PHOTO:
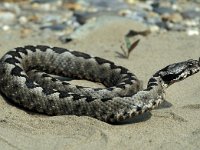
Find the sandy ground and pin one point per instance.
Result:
(176, 125)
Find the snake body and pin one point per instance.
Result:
(25, 78)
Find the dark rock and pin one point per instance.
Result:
(58, 27)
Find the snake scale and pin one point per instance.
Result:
(26, 79)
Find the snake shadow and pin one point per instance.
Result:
(143, 117)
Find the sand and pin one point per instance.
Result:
(175, 125)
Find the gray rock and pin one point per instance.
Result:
(163, 10)
(7, 17)
(153, 20)
(175, 27)
(191, 14)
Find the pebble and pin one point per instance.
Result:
(175, 27)
(191, 14)
(7, 17)
(23, 20)
(192, 32)
(163, 10)
(191, 23)
(6, 28)
(175, 17)
(154, 28)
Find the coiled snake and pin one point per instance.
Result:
(25, 79)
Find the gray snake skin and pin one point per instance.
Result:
(25, 78)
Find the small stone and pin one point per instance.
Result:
(154, 28)
(193, 32)
(108, 4)
(175, 27)
(81, 18)
(144, 6)
(125, 12)
(7, 17)
(137, 16)
(191, 14)
(153, 18)
(11, 7)
(131, 1)
(163, 10)
(176, 7)
(73, 6)
(175, 17)
(6, 28)
(191, 23)
(23, 20)
(25, 32)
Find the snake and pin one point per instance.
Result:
(31, 77)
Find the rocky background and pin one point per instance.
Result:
(143, 36)
(60, 18)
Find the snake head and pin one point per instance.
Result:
(178, 71)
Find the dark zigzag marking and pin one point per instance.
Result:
(152, 84)
(54, 79)
(64, 94)
(59, 50)
(129, 80)
(80, 54)
(30, 47)
(65, 83)
(48, 91)
(16, 71)
(30, 84)
(43, 48)
(130, 75)
(152, 80)
(105, 99)
(139, 108)
(44, 75)
(14, 54)
(21, 50)
(123, 70)
(12, 60)
(76, 97)
(101, 61)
